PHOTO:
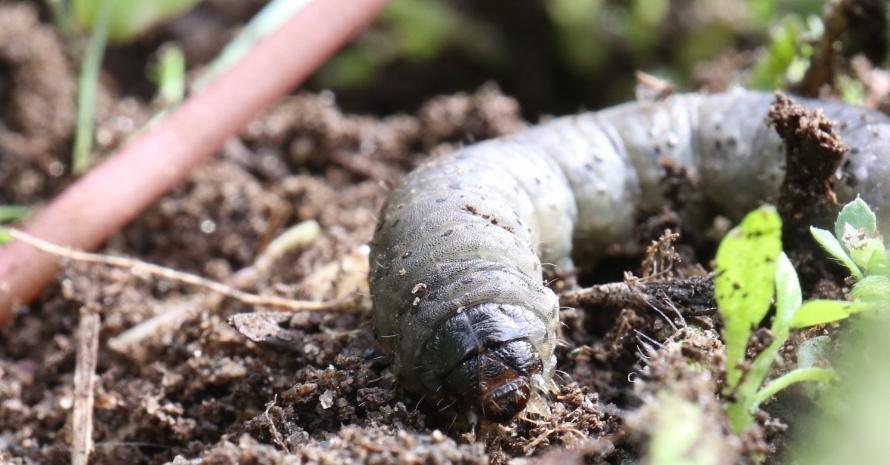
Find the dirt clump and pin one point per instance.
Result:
(36, 102)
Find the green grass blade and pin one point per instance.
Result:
(86, 89)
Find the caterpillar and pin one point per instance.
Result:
(459, 300)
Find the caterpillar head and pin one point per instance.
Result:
(496, 383)
(490, 363)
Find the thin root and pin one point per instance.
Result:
(138, 267)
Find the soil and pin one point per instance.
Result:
(195, 390)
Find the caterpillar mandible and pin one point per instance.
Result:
(456, 260)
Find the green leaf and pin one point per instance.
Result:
(867, 252)
(788, 301)
(130, 18)
(857, 229)
(169, 74)
(816, 312)
(789, 297)
(745, 280)
(858, 215)
(835, 249)
(784, 49)
(823, 375)
(5, 237)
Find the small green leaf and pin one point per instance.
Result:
(835, 249)
(784, 49)
(858, 215)
(823, 375)
(129, 19)
(866, 251)
(745, 280)
(816, 312)
(169, 74)
(789, 297)
(5, 237)
(788, 301)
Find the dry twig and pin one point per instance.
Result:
(141, 268)
(84, 385)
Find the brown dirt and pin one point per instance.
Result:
(36, 103)
(197, 388)
(813, 154)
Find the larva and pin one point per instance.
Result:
(456, 260)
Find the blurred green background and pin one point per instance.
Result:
(559, 56)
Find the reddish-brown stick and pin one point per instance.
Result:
(113, 193)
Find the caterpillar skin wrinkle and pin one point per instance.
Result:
(456, 261)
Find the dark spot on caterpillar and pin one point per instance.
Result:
(447, 233)
(490, 218)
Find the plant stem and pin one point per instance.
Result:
(87, 82)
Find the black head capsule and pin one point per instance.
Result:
(483, 360)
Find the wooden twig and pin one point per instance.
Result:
(84, 386)
(141, 268)
(613, 295)
(689, 294)
(155, 161)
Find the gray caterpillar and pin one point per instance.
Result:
(456, 260)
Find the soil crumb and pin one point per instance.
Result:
(813, 153)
